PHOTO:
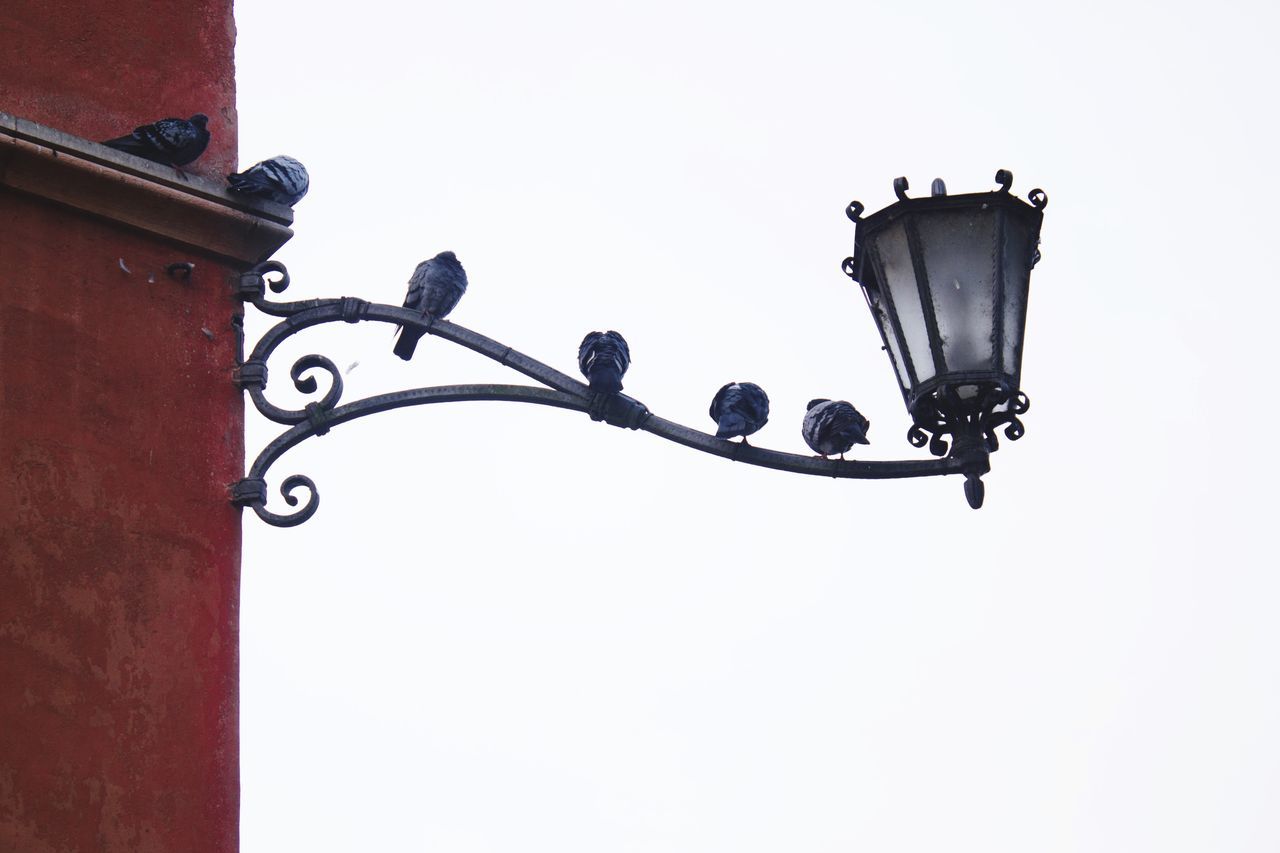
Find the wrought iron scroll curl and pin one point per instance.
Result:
(318, 417)
(304, 383)
(277, 285)
(945, 413)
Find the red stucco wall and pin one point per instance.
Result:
(100, 68)
(120, 430)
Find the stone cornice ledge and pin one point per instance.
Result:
(158, 199)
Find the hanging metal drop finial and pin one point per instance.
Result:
(974, 490)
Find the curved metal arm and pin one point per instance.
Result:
(252, 491)
(798, 464)
(317, 418)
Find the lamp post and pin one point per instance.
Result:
(945, 277)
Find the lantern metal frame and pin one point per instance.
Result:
(969, 421)
(963, 404)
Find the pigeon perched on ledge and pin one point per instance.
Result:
(434, 288)
(833, 426)
(739, 409)
(172, 141)
(281, 179)
(603, 357)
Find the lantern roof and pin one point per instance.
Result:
(1001, 197)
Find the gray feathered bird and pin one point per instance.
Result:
(739, 408)
(434, 288)
(173, 141)
(603, 357)
(281, 179)
(833, 426)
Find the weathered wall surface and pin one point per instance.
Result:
(119, 432)
(119, 586)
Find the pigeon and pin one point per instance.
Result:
(281, 179)
(435, 287)
(172, 141)
(739, 408)
(603, 357)
(833, 426)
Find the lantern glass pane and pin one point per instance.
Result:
(895, 352)
(1019, 246)
(893, 255)
(960, 260)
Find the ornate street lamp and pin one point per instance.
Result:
(946, 279)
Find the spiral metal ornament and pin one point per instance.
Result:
(277, 285)
(287, 489)
(307, 384)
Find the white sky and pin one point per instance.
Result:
(510, 628)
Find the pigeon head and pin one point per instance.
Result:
(446, 256)
(200, 120)
(816, 402)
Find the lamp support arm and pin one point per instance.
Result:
(562, 391)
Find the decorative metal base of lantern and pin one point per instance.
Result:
(970, 413)
(967, 410)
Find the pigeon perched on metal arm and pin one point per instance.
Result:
(281, 179)
(434, 288)
(172, 141)
(603, 357)
(739, 409)
(833, 426)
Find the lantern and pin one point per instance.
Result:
(946, 278)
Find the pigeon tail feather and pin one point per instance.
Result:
(731, 424)
(407, 343)
(130, 145)
(607, 379)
